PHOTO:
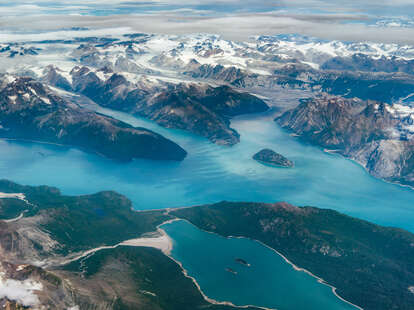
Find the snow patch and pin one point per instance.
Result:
(13, 99)
(20, 196)
(46, 100)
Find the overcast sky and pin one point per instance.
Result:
(365, 20)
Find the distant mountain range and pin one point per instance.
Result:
(199, 82)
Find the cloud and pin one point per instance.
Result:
(45, 33)
(343, 20)
(22, 292)
(236, 26)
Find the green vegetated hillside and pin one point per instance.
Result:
(371, 266)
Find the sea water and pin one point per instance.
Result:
(269, 281)
(213, 173)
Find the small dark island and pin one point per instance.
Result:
(242, 262)
(270, 157)
(228, 269)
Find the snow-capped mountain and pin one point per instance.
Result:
(156, 53)
(382, 70)
(198, 82)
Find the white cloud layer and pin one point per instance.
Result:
(330, 19)
(22, 292)
(238, 27)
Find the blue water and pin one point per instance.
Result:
(268, 282)
(213, 173)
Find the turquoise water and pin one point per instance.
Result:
(268, 282)
(213, 173)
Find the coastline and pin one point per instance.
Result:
(15, 219)
(295, 267)
(208, 299)
(161, 242)
(291, 133)
(185, 271)
(164, 243)
(359, 163)
(159, 239)
(67, 146)
(19, 196)
(273, 165)
(186, 274)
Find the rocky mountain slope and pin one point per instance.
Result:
(381, 86)
(376, 135)
(371, 266)
(29, 110)
(197, 107)
(174, 80)
(289, 60)
(198, 82)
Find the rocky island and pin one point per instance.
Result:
(232, 271)
(243, 262)
(270, 157)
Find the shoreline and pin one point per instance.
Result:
(166, 248)
(300, 137)
(185, 271)
(186, 274)
(19, 196)
(164, 243)
(208, 299)
(15, 219)
(359, 163)
(295, 267)
(161, 242)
